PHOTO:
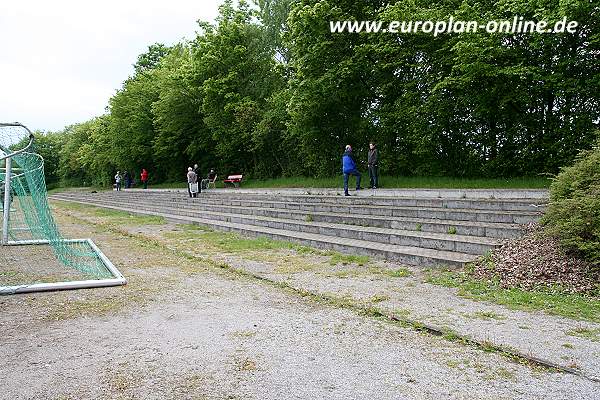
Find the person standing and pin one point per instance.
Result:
(144, 178)
(118, 179)
(349, 168)
(197, 172)
(127, 178)
(192, 178)
(372, 162)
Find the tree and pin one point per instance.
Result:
(236, 73)
(271, 91)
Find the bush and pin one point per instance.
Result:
(573, 214)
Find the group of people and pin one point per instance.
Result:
(128, 180)
(349, 168)
(192, 179)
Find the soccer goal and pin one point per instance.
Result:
(34, 256)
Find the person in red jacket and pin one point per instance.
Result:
(144, 178)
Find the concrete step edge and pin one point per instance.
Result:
(440, 255)
(384, 231)
(357, 200)
(416, 220)
(427, 209)
(391, 192)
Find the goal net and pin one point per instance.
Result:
(33, 254)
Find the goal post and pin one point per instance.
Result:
(29, 226)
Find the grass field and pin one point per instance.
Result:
(391, 182)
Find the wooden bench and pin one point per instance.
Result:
(235, 180)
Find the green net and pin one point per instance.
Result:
(29, 223)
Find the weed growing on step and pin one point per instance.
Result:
(488, 260)
(69, 205)
(452, 230)
(378, 298)
(116, 217)
(398, 273)
(419, 227)
(309, 218)
(232, 242)
(590, 334)
(125, 218)
(194, 228)
(345, 259)
(487, 316)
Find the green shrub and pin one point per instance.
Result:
(573, 214)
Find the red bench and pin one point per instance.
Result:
(235, 180)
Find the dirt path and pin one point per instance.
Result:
(536, 334)
(185, 329)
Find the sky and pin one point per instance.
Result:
(61, 60)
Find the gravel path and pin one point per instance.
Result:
(33, 264)
(531, 333)
(218, 338)
(182, 329)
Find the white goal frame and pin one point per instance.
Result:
(117, 278)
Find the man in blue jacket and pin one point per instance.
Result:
(349, 168)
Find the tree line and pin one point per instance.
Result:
(267, 90)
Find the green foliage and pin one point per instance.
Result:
(238, 75)
(591, 334)
(270, 92)
(86, 157)
(345, 259)
(405, 182)
(234, 243)
(150, 60)
(574, 210)
(48, 146)
(575, 306)
(399, 273)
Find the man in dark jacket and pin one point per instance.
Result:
(197, 172)
(349, 168)
(127, 178)
(372, 161)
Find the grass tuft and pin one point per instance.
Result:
(398, 273)
(346, 259)
(591, 334)
(574, 306)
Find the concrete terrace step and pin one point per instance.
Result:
(490, 229)
(457, 214)
(534, 205)
(410, 230)
(411, 255)
(439, 241)
(521, 194)
(477, 204)
(467, 228)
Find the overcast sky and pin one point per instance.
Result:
(61, 60)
